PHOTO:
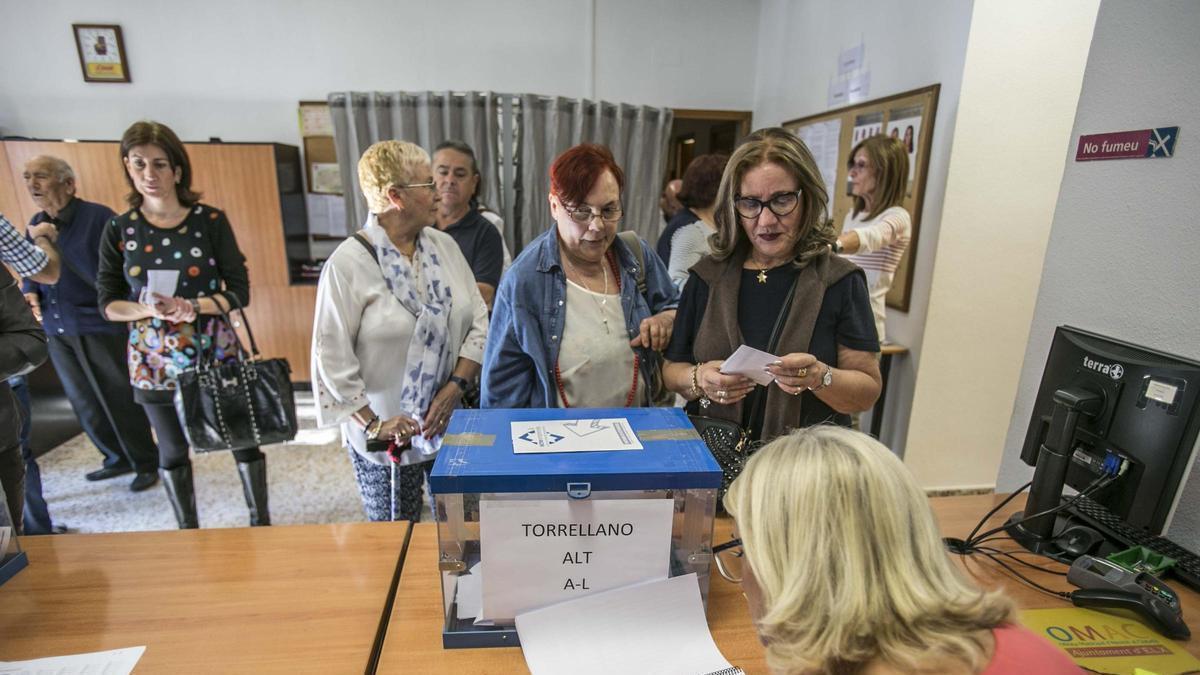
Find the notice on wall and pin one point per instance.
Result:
(540, 552)
(851, 59)
(587, 435)
(1140, 144)
(822, 139)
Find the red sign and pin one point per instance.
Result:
(1138, 144)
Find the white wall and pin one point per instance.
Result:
(1021, 82)
(908, 45)
(1124, 253)
(237, 69)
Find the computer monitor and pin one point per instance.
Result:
(1101, 397)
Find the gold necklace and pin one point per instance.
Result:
(762, 271)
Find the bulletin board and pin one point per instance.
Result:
(320, 157)
(831, 135)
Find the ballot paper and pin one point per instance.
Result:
(162, 282)
(113, 662)
(580, 435)
(750, 362)
(654, 627)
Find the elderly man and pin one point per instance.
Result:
(456, 177)
(88, 351)
(22, 348)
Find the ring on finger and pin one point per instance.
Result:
(801, 372)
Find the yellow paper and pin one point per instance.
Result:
(1109, 643)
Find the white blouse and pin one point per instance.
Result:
(361, 334)
(595, 360)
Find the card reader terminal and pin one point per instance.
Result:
(1104, 584)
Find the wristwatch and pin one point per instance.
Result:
(373, 427)
(836, 246)
(826, 379)
(460, 381)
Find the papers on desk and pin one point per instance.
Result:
(654, 627)
(113, 662)
(750, 362)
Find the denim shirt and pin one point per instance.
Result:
(530, 311)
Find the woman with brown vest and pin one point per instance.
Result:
(773, 284)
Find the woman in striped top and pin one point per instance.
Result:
(877, 230)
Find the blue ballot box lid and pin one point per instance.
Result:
(478, 452)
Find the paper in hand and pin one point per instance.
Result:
(750, 362)
(162, 282)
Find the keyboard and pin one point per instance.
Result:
(1187, 564)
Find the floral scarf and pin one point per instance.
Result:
(428, 362)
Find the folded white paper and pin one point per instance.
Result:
(749, 362)
(113, 662)
(654, 627)
(162, 282)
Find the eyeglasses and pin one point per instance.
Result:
(431, 185)
(584, 215)
(781, 205)
(728, 557)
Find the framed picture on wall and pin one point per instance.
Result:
(101, 52)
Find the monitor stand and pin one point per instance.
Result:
(1049, 476)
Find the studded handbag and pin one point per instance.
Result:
(242, 403)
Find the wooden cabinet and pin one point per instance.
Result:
(248, 181)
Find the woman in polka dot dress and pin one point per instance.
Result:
(168, 228)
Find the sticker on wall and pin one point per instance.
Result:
(1140, 144)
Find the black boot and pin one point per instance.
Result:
(254, 487)
(180, 491)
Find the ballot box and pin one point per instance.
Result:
(540, 506)
(12, 558)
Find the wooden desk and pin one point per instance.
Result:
(272, 599)
(414, 634)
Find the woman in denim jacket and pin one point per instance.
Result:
(582, 316)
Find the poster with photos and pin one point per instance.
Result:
(101, 53)
(907, 130)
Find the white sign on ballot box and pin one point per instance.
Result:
(539, 552)
(586, 435)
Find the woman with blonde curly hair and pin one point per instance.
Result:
(772, 283)
(845, 571)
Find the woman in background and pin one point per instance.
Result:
(844, 569)
(167, 228)
(877, 230)
(398, 333)
(699, 194)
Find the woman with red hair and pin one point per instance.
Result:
(582, 315)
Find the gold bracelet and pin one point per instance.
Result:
(695, 391)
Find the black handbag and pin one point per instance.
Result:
(239, 404)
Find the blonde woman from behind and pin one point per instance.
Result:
(845, 571)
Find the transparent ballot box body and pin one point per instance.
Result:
(12, 558)
(672, 480)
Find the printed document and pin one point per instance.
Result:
(594, 435)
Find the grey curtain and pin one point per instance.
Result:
(637, 136)
(425, 118)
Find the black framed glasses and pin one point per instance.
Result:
(584, 214)
(780, 204)
(728, 557)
